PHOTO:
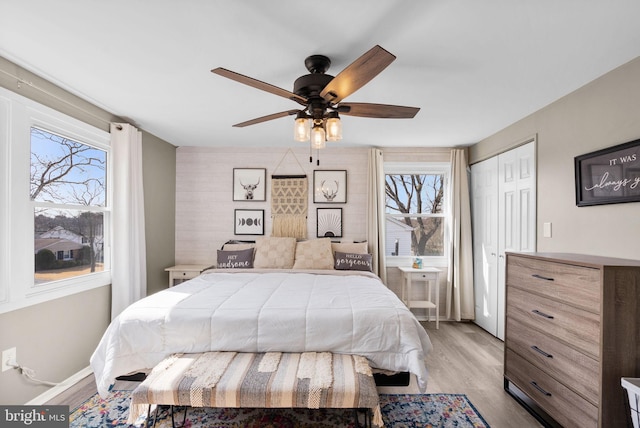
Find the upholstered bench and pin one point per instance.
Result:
(260, 380)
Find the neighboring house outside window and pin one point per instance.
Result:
(54, 204)
(416, 212)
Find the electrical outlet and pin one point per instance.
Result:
(8, 355)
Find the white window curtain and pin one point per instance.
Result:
(375, 212)
(129, 266)
(460, 299)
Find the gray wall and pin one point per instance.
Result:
(159, 176)
(57, 338)
(601, 114)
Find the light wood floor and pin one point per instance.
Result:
(468, 360)
(465, 360)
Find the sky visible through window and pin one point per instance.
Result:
(414, 208)
(65, 171)
(430, 185)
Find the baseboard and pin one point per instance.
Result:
(60, 388)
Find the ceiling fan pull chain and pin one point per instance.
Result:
(318, 157)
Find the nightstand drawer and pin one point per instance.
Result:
(571, 367)
(563, 404)
(578, 328)
(422, 276)
(576, 285)
(185, 274)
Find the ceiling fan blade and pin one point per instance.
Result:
(266, 118)
(357, 74)
(377, 110)
(254, 83)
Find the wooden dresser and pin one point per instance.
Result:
(572, 331)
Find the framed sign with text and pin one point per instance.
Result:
(608, 176)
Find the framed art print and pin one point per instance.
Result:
(329, 223)
(249, 222)
(608, 176)
(249, 184)
(330, 187)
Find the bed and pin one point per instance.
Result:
(266, 310)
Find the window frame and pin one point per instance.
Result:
(17, 262)
(423, 168)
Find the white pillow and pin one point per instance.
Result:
(314, 254)
(238, 246)
(274, 252)
(350, 247)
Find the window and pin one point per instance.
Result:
(68, 190)
(54, 204)
(416, 213)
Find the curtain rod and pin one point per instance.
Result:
(20, 81)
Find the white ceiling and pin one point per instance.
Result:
(473, 67)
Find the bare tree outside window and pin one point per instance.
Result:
(68, 188)
(416, 201)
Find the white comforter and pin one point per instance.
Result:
(254, 311)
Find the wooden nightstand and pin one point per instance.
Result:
(184, 272)
(429, 275)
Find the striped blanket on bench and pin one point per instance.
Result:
(259, 380)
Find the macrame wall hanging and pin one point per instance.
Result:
(289, 199)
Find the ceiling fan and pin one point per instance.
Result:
(321, 96)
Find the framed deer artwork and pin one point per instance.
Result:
(329, 186)
(250, 184)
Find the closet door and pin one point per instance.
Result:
(503, 203)
(516, 214)
(484, 206)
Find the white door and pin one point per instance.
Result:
(484, 206)
(503, 219)
(516, 213)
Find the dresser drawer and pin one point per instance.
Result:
(574, 369)
(561, 403)
(576, 285)
(576, 327)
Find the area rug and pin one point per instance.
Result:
(398, 411)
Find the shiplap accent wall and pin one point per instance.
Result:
(204, 199)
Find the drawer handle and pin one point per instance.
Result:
(542, 314)
(540, 351)
(546, 278)
(539, 388)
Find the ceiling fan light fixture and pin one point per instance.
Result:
(334, 127)
(321, 95)
(302, 128)
(318, 137)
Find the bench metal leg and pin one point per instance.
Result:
(149, 416)
(368, 422)
(173, 422)
(172, 409)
